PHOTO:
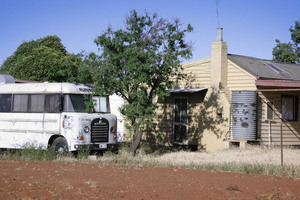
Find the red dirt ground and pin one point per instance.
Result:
(55, 180)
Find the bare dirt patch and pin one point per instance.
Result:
(57, 180)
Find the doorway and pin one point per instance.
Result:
(180, 120)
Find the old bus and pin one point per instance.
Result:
(54, 115)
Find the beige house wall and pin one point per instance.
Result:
(269, 131)
(197, 74)
(216, 120)
(209, 119)
(239, 79)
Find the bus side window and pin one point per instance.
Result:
(37, 103)
(68, 106)
(20, 103)
(53, 103)
(5, 102)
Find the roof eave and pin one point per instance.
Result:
(185, 90)
(278, 83)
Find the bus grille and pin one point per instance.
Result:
(99, 132)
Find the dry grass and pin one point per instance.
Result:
(251, 155)
(251, 160)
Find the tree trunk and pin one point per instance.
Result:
(136, 139)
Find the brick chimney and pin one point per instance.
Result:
(219, 66)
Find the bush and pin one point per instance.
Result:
(28, 153)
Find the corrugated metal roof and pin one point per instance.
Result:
(45, 88)
(267, 69)
(186, 90)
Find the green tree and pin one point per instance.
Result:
(44, 59)
(89, 62)
(137, 63)
(289, 52)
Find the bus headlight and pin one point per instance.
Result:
(67, 123)
(86, 129)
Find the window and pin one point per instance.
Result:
(101, 104)
(20, 103)
(53, 103)
(270, 110)
(289, 108)
(37, 103)
(5, 102)
(74, 103)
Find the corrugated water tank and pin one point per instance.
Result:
(243, 115)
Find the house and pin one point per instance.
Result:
(227, 100)
(116, 103)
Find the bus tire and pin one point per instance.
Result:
(60, 146)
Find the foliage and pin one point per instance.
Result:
(89, 62)
(89, 103)
(44, 59)
(83, 154)
(289, 52)
(137, 63)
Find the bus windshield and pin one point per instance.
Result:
(77, 103)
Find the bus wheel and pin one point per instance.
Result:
(60, 146)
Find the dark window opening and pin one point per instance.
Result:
(180, 120)
(289, 108)
(5, 102)
(53, 103)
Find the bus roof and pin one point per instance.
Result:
(38, 88)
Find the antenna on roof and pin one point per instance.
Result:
(217, 5)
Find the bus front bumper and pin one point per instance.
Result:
(96, 146)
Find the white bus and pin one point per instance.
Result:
(53, 115)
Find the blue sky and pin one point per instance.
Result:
(250, 26)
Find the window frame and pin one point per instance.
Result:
(268, 107)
